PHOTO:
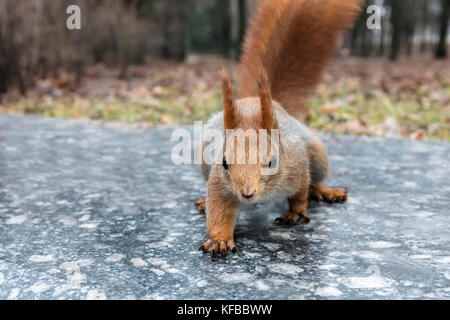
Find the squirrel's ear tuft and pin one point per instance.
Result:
(266, 99)
(228, 104)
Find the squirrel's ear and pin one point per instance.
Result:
(266, 99)
(228, 104)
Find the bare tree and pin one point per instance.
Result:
(174, 25)
(397, 7)
(224, 7)
(424, 9)
(441, 51)
(409, 24)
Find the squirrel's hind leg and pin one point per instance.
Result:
(321, 192)
(319, 168)
(201, 205)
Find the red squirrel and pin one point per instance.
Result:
(285, 51)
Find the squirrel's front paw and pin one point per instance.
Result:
(218, 246)
(292, 218)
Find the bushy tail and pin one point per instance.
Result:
(293, 40)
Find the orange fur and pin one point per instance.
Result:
(200, 205)
(297, 206)
(221, 217)
(293, 40)
(265, 99)
(285, 53)
(321, 192)
(228, 104)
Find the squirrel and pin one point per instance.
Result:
(285, 52)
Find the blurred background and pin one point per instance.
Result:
(155, 62)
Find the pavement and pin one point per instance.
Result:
(94, 211)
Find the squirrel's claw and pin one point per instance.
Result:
(218, 247)
(205, 246)
(223, 248)
(292, 218)
(232, 246)
(279, 220)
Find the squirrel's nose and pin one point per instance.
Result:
(247, 194)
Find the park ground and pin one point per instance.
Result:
(406, 99)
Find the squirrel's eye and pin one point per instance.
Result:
(272, 161)
(224, 163)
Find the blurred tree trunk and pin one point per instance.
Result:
(166, 32)
(409, 38)
(11, 49)
(181, 31)
(367, 41)
(174, 25)
(3, 64)
(78, 60)
(354, 38)
(381, 48)
(242, 23)
(425, 25)
(225, 17)
(396, 22)
(358, 33)
(367, 35)
(410, 21)
(441, 51)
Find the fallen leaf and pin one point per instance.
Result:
(418, 135)
(329, 109)
(352, 127)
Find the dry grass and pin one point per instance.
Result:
(410, 98)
